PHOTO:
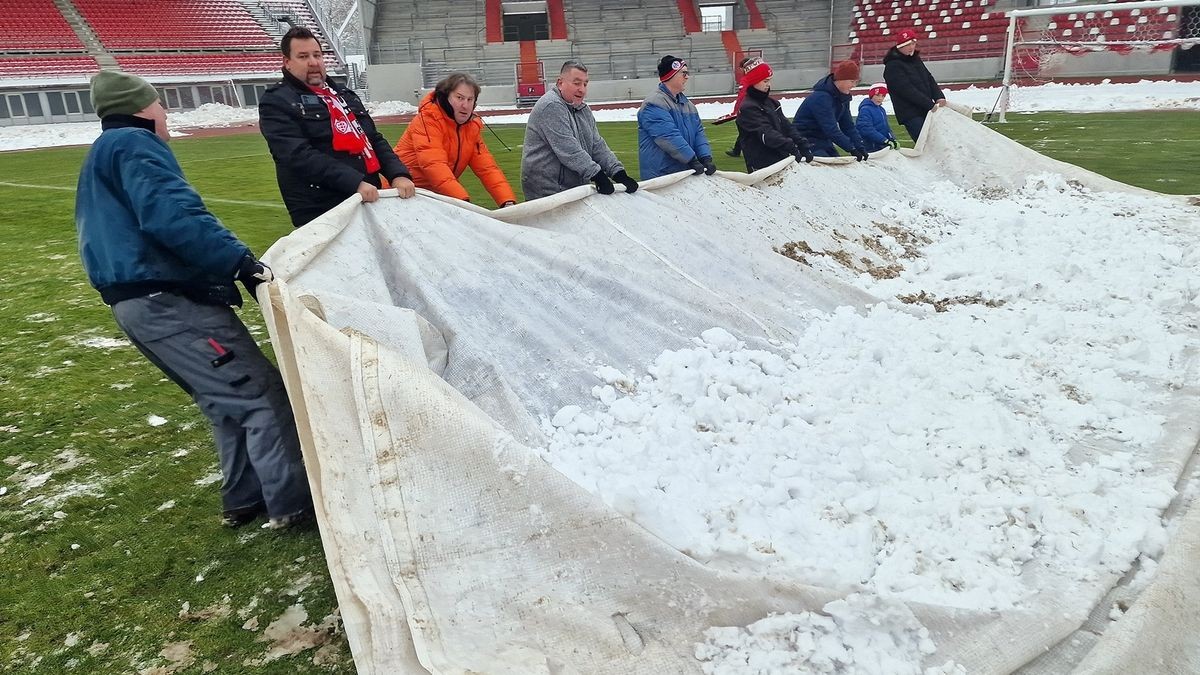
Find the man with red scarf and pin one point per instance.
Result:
(324, 143)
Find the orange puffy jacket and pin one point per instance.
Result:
(437, 150)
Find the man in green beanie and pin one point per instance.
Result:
(167, 268)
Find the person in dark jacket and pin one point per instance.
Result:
(324, 143)
(824, 116)
(764, 134)
(912, 87)
(671, 136)
(167, 268)
(872, 122)
(745, 65)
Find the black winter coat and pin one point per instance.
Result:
(766, 136)
(913, 90)
(313, 178)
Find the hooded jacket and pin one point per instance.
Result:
(764, 133)
(314, 178)
(872, 124)
(913, 90)
(670, 134)
(824, 119)
(563, 147)
(437, 150)
(142, 227)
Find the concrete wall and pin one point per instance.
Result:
(635, 89)
(395, 82)
(966, 70)
(390, 82)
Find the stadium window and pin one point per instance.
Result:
(716, 17)
(172, 97)
(4, 108)
(33, 105)
(72, 100)
(249, 95)
(186, 101)
(205, 95)
(85, 102)
(55, 99)
(15, 104)
(218, 95)
(526, 25)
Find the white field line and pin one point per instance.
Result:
(219, 200)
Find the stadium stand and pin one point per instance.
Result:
(1152, 24)
(797, 35)
(953, 29)
(184, 24)
(199, 64)
(46, 66)
(36, 26)
(198, 51)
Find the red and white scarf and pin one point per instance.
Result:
(348, 134)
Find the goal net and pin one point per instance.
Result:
(1111, 38)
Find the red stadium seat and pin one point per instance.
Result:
(35, 26)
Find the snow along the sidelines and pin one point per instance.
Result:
(1104, 97)
(927, 455)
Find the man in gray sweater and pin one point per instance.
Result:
(563, 147)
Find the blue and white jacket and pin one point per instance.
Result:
(872, 125)
(670, 134)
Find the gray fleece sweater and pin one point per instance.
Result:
(563, 148)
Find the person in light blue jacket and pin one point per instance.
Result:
(872, 122)
(670, 135)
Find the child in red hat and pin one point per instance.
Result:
(872, 122)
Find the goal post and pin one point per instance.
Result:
(1041, 37)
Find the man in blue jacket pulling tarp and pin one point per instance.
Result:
(670, 135)
(167, 268)
(824, 116)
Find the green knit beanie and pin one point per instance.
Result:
(116, 93)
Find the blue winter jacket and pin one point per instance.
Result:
(670, 134)
(872, 124)
(824, 119)
(142, 228)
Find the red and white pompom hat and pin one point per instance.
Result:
(877, 88)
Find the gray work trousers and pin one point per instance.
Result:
(208, 352)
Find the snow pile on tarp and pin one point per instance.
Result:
(957, 381)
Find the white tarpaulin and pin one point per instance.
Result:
(427, 343)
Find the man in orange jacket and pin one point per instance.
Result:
(446, 137)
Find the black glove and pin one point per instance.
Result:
(623, 178)
(251, 273)
(859, 154)
(802, 153)
(696, 166)
(894, 143)
(603, 184)
(709, 167)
